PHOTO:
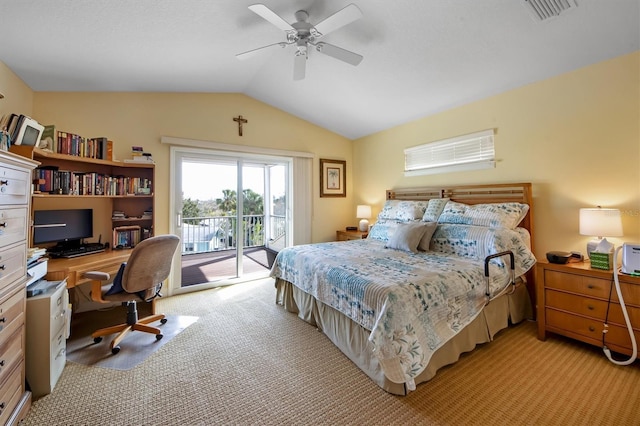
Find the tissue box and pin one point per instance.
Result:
(601, 260)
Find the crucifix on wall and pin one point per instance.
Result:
(240, 122)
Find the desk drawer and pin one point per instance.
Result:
(12, 265)
(10, 393)
(13, 226)
(14, 186)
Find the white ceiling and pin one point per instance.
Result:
(420, 56)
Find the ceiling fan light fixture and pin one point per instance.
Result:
(303, 33)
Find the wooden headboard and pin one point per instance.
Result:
(474, 194)
(479, 194)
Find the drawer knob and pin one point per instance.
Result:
(3, 224)
(590, 307)
(592, 328)
(2, 268)
(3, 319)
(590, 286)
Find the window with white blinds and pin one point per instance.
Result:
(468, 152)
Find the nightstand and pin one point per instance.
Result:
(350, 235)
(572, 300)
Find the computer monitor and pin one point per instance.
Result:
(65, 227)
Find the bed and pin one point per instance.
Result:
(441, 271)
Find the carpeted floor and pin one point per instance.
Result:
(248, 362)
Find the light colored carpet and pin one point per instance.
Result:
(248, 362)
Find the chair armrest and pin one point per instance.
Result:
(97, 276)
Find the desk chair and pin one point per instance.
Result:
(140, 278)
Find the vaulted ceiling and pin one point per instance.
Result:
(420, 56)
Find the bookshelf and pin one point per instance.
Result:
(125, 188)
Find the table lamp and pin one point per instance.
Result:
(363, 213)
(600, 223)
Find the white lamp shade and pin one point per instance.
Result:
(600, 222)
(363, 212)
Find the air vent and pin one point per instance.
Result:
(542, 10)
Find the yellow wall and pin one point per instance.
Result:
(18, 97)
(576, 137)
(142, 118)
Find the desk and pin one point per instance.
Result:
(73, 269)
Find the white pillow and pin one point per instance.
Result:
(434, 209)
(493, 215)
(407, 236)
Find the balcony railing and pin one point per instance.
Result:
(207, 234)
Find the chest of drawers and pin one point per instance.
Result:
(15, 200)
(573, 300)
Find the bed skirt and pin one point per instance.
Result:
(352, 339)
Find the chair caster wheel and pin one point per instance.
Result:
(115, 350)
(97, 339)
(159, 336)
(163, 321)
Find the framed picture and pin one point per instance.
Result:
(333, 178)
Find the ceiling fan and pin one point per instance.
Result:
(302, 34)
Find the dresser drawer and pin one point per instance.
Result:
(579, 284)
(10, 393)
(14, 186)
(13, 265)
(11, 315)
(13, 225)
(11, 354)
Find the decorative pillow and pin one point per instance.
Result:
(407, 236)
(383, 229)
(478, 242)
(402, 210)
(425, 241)
(434, 209)
(498, 215)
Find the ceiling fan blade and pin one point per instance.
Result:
(271, 16)
(339, 53)
(339, 19)
(299, 65)
(251, 53)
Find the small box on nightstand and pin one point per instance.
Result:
(601, 260)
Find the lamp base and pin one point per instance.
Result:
(363, 226)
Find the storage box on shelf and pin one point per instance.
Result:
(69, 182)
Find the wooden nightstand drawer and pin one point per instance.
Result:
(573, 300)
(350, 235)
(588, 286)
(593, 308)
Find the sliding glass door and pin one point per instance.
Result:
(232, 213)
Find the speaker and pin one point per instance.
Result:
(560, 257)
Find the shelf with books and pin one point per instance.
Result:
(67, 182)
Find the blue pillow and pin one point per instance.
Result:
(117, 282)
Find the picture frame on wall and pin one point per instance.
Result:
(333, 178)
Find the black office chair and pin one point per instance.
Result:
(140, 278)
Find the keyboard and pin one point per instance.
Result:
(79, 251)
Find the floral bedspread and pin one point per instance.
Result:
(411, 302)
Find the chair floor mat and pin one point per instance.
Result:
(134, 348)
